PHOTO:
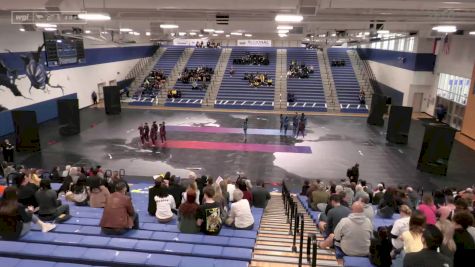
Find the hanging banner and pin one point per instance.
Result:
(188, 42)
(258, 43)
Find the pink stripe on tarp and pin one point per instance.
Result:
(224, 130)
(236, 147)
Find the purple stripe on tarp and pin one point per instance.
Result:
(224, 130)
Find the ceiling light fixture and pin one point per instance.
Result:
(87, 31)
(472, 33)
(214, 34)
(147, 33)
(131, 33)
(383, 31)
(208, 30)
(172, 34)
(46, 25)
(192, 33)
(48, 29)
(322, 35)
(237, 33)
(333, 34)
(94, 16)
(219, 31)
(125, 29)
(137, 33)
(168, 26)
(282, 35)
(366, 33)
(22, 29)
(182, 33)
(104, 32)
(284, 27)
(445, 28)
(227, 35)
(248, 35)
(200, 35)
(283, 31)
(289, 18)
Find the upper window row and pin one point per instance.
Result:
(402, 44)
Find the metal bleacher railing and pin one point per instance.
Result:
(296, 226)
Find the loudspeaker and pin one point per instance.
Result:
(378, 105)
(436, 148)
(68, 114)
(399, 124)
(27, 137)
(112, 99)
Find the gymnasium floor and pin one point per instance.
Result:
(332, 144)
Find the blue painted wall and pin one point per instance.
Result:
(404, 60)
(396, 96)
(45, 111)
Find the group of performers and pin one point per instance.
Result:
(299, 123)
(258, 79)
(149, 135)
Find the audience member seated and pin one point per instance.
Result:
(240, 216)
(352, 234)
(362, 97)
(260, 196)
(174, 93)
(331, 220)
(400, 226)
(50, 207)
(388, 205)
(79, 193)
(55, 175)
(26, 190)
(432, 239)
(305, 187)
(380, 248)
(413, 237)
(230, 188)
(176, 190)
(119, 215)
(464, 242)
(319, 198)
(98, 192)
(209, 216)
(338, 63)
(378, 194)
(199, 74)
(300, 71)
(428, 208)
(153, 82)
(252, 59)
(447, 228)
(192, 186)
(245, 190)
(359, 192)
(15, 219)
(152, 193)
(367, 207)
(114, 180)
(187, 214)
(33, 176)
(166, 206)
(258, 79)
(219, 198)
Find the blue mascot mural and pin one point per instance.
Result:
(34, 70)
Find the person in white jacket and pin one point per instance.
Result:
(353, 233)
(240, 216)
(166, 205)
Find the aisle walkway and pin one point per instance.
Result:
(274, 244)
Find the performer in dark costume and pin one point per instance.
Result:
(302, 124)
(154, 132)
(163, 132)
(146, 132)
(142, 135)
(7, 149)
(295, 123)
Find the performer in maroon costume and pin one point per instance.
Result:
(141, 132)
(154, 132)
(163, 132)
(146, 131)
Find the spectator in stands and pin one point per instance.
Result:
(114, 180)
(165, 203)
(175, 190)
(15, 219)
(367, 207)
(349, 193)
(33, 177)
(305, 187)
(119, 215)
(428, 208)
(413, 238)
(187, 214)
(240, 216)
(400, 226)
(98, 192)
(209, 216)
(246, 191)
(79, 193)
(328, 223)
(50, 207)
(75, 173)
(230, 188)
(224, 190)
(448, 244)
(192, 186)
(231, 71)
(152, 193)
(260, 195)
(465, 244)
(55, 175)
(388, 205)
(320, 198)
(353, 233)
(219, 198)
(359, 192)
(432, 239)
(310, 190)
(378, 194)
(26, 190)
(413, 197)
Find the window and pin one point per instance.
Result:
(400, 44)
(453, 88)
(385, 45)
(391, 44)
(373, 45)
(410, 46)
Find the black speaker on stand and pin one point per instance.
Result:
(68, 114)
(378, 106)
(27, 137)
(112, 100)
(436, 148)
(399, 124)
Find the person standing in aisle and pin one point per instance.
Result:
(7, 149)
(244, 128)
(301, 125)
(286, 125)
(163, 132)
(281, 122)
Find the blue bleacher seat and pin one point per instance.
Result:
(131, 257)
(206, 250)
(163, 260)
(9, 261)
(349, 261)
(193, 262)
(36, 263)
